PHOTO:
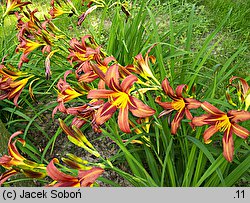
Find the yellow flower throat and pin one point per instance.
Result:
(223, 123)
(178, 105)
(119, 99)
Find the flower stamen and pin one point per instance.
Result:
(178, 104)
(223, 123)
(119, 99)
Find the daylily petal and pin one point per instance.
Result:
(192, 103)
(139, 109)
(168, 89)
(112, 77)
(179, 90)
(176, 121)
(88, 77)
(123, 120)
(100, 93)
(88, 177)
(12, 150)
(128, 82)
(228, 145)
(57, 175)
(104, 113)
(6, 175)
(209, 132)
(211, 109)
(98, 71)
(244, 84)
(189, 116)
(165, 105)
(239, 116)
(165, 112)
(67, 184)
(202, 120)
(240, 131)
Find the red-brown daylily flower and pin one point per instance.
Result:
(180, 104)
(143, 64)
(143, 67)
(118, 98)
(85, 178)
(66, 93)
(89, 75)
(10, 87)
(13, 4)
(16, 163)
(223, 122)
(83, 51)
(243, 91)
(26, 46)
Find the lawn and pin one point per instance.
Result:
(125, 93)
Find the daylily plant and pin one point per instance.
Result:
(34, 34)
(119, 97)
(223, 122)
(180, 104)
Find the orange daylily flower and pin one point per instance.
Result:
(82, 51)
(180, 104)
(142, 64)
(223, 122)
(86, 73)
(16, 163)
(10, 87)
(66, 93)
(12, 4)
(27, 46)
(119, 98)
(243, 91)
(85, 178)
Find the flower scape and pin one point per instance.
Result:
(166, 136)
